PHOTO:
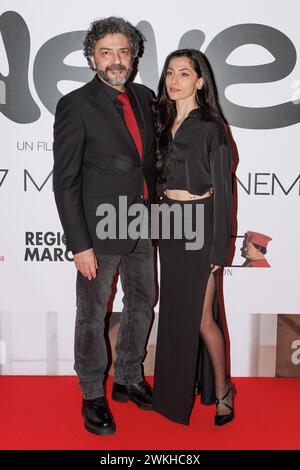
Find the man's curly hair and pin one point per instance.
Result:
(99, 28)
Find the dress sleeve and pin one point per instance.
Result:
(220, 164)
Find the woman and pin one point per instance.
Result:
(193, 162)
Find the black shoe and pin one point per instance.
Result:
(140, 393)
(220, 420)
(97, 416)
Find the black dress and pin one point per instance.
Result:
(199, 158)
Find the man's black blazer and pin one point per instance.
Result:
(96, 161)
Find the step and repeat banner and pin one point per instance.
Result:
(253, 48)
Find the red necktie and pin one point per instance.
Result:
(132, 126)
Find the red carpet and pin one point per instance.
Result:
(44, 413)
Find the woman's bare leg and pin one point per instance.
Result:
(215, 344)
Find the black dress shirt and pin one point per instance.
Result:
(113, 93)
(199, 158)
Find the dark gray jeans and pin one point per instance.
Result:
(137, 278)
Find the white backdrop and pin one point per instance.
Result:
(37, 301)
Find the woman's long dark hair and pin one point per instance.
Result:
(165, 109)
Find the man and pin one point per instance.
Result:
(255, 249)
(103, 149)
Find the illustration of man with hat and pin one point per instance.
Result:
(254, 250)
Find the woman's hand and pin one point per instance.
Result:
(214, 267)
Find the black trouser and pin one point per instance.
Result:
(137, 277)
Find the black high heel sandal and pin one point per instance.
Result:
(220, 420)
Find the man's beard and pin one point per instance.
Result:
(118, 80)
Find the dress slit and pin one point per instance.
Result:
(205, 381)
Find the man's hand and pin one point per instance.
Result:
(86, 263)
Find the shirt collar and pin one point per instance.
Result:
(112, 92)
